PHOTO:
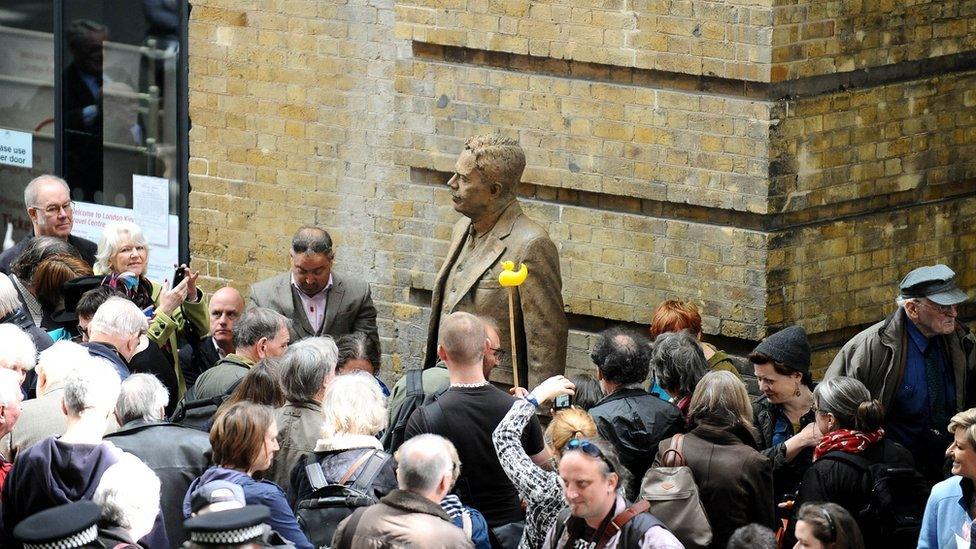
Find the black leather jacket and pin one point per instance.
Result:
(176, 454)
(634, 421)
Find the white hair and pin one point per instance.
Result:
(9, 299)
(30, 192)
(354, 405)
(128, 493)
(58, 360)
(142, 397)
(901, 301)
(19, 351)
(9, 387)
(93, 384)
(118, 317)
(112, 237)
(422, 462)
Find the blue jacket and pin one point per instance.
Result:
(109, 354)
(256, 492)
(945, 513)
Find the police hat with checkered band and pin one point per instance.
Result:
(63, 527)
(230, 527)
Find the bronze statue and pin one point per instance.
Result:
(493, 230)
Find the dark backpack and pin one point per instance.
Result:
(413, 399)
(199, 413)
(892, 517)
(320, 513)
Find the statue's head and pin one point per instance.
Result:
(486, 175)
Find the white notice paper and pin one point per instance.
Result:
(16, 148)
(150, 207)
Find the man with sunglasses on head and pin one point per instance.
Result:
(597, 514)
(316, 299)
(919, 363)
(51, 212)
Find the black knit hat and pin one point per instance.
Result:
(788, 347)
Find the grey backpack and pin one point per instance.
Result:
(673, 497)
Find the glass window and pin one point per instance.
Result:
(99, 103)
(26, 103)
(119, 97)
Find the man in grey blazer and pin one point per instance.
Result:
(318, 300)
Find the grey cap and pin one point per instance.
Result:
(217, 495)
(937, 283)
(788, 347)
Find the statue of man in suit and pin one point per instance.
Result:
(494, 229)
(317, 300)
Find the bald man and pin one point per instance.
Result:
(226, 306)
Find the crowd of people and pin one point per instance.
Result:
(141, 413)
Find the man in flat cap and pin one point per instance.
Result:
(919, 363)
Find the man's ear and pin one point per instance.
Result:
(261, 348)
(496, 190)
(441, 353)
(447, 482)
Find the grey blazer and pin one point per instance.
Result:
(349, 309)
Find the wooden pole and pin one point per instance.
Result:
(511, 328)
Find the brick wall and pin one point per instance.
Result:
(654, 180)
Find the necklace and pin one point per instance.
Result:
(470, 385)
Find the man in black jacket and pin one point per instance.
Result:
(629, 417)
(51, 211)
(175, 453)
(225, 307)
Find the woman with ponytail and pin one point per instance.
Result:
(851, 423)
(538, 488)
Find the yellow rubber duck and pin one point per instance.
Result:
(510, 277)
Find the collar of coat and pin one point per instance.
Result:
(625, 391)
(343, 441)
(414, 503)
(725, 435)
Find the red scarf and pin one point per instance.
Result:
(846, 440)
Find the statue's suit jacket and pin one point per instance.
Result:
(349, 308)
(540, 321)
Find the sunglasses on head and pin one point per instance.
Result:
(590, 449)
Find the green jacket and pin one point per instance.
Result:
(432, 380)
(165, 328)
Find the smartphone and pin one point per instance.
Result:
(178, 276)
(561, 402)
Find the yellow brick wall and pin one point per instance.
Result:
(871, 144)
(330, 113)
(755, 40)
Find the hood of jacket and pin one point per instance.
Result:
(73, 470)
(213, 473)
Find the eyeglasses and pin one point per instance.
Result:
(499, 352)
(941, 309)
(590, 449)
(54, 209)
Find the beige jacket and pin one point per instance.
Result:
(403, 519)
(541, 328)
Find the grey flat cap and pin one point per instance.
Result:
(934, 282)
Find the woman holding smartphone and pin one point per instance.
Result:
(539, 488)
(123, 257)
